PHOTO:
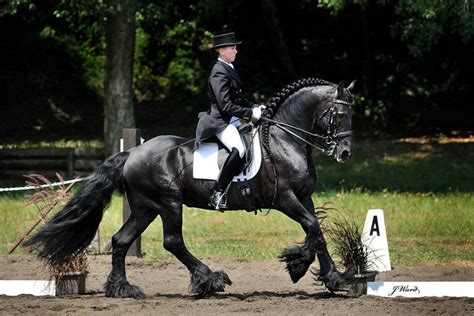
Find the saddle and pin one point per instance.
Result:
(210, 156)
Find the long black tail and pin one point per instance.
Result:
(73, 228)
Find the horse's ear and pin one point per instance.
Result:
(340, 89)
(351, 86)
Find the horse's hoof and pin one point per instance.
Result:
(121, 288)
(336, 281)
(297, 261)
(335, 284)
(203, 285)
(348, 275)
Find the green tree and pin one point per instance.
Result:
(172, 44)
(422, 22)
(118, 83)
(419, 26)
(102, 36)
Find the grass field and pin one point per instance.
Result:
(425, 188)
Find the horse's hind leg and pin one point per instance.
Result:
(117, 284)
(203, 280)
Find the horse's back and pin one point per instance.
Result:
(158, 161)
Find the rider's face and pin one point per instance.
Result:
(228, 53)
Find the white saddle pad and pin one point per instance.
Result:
(207, 157)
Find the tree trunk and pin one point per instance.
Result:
(118, 93)
(276, 36)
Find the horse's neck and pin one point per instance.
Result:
(298, 109)
(301, 110)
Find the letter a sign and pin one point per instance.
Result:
(375, 239)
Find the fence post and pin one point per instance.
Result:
(70, 164)
(131, 138)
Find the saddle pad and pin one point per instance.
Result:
(207, 160)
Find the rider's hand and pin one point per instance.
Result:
(262, 107)
(256, 114)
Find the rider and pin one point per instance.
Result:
(222, 119)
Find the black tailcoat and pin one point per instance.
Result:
(226, 101)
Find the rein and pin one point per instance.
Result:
(327, 143)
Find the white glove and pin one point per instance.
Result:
(256, 114)
(262, 107)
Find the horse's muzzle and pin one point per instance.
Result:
(343, 150)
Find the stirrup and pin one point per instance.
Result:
(218, 200)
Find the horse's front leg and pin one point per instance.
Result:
(299, 258)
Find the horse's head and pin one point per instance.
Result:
(335, 118)
(328, 129)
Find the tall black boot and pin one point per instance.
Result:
(232, 166)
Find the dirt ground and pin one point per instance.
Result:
(262, 287)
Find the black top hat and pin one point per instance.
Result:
(227, 39)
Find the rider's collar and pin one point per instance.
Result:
(229, 64)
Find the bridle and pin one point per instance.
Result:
(324, 143)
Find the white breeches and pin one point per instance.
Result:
(230, 137)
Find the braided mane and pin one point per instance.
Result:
(276, 101)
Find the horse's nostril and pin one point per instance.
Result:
(345, 155)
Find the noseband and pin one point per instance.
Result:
(324, 143)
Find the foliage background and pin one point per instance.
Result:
(411, 59)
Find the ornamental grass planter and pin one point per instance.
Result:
(71, 283)
(69, 270)
(359, 285)
(350, 245)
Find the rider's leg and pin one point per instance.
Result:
(230, 137)
(232, 166)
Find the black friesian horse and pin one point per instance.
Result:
(157, 178)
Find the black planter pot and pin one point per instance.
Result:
(72, 283)
(359, 286)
